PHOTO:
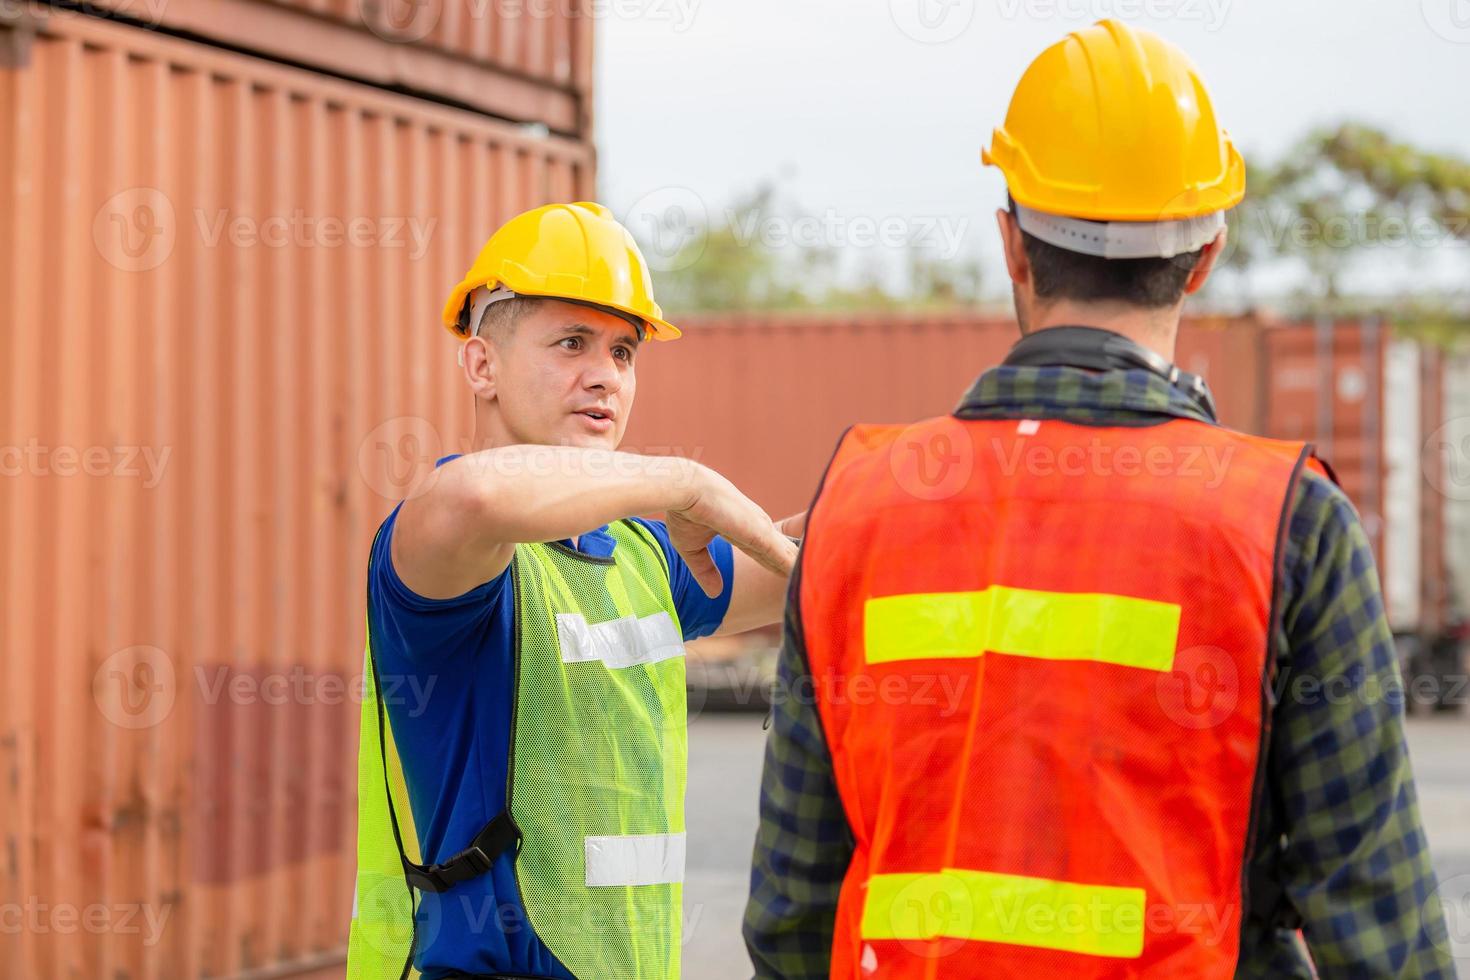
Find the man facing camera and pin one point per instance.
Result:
(536, 801)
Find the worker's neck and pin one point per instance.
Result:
(1154, 329)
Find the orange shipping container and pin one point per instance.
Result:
(1380, 409)
(525, 60)
(221, 365)
(763, 398)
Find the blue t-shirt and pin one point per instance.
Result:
(446, 670)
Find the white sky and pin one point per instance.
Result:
(855, 116)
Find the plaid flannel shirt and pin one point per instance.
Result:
(1341, 845)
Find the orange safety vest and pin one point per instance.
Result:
(1039, 653)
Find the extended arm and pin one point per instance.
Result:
(461, 526)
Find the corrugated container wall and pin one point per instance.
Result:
(1449, 451)
(764, 397)
(221, 364)
(529, 61)
(1374, 403)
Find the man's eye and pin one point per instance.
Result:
(624, 352)
(576, 342)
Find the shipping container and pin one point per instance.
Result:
(529, 61)
(782, 388)
(1385, 411)
(222, 363)
(1449, 455)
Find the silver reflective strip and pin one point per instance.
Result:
(624, 642)
(637, 859)
(1122, 239)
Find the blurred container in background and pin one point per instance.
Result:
(222, 257)
(524, 60)
(1391, 416)
(221, 365)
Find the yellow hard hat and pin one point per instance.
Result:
(1113, 123)
(576, 252)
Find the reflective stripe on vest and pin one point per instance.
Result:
(1023, 623)
(959, 904)
(598, 772)
(601, 746)
(1095, 605)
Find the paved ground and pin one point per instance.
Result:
(724, 780)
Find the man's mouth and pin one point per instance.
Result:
(596, 419)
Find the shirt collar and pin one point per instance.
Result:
(1078, 394)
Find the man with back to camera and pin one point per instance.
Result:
(537, 800)
(1117, 586)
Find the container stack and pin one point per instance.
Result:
(226, 230)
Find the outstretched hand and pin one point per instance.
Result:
(718, 508)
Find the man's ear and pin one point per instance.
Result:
(1014, 246)
(477, 356)
(1208, 256)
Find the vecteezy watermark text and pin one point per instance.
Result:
(66, 919)
(1211, 13)
(303, 230)
(128, 462)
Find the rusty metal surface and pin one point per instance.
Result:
(777, 391)
(1449, 452)
(523, 60)
(222, 363)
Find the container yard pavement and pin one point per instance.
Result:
(725, 754)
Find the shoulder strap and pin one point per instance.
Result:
(494, 839)
(645, 536)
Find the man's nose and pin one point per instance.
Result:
(603, 374)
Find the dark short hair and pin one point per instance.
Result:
(1059, 273)
(498, 322)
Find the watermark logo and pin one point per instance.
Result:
(386, 901)
(38, 917)
(935, 905)
(672, 225)
(138, 687)
(1450, 19)
(940, 234)
(1210, 13)
(396, 456)
(932, 21)
(1454, 899)
(145, 463)
(298, 229)
(135, 687)
(411, 21)
(1446, 459)
(1093, 457)
(933, 460)
(135, 229)
(1202, 690)
(402, 21)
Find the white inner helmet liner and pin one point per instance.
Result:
(481, 300)
(1122, 239)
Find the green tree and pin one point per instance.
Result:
(737, 264)
(1341, 191)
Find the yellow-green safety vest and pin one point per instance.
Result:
(597, 766)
